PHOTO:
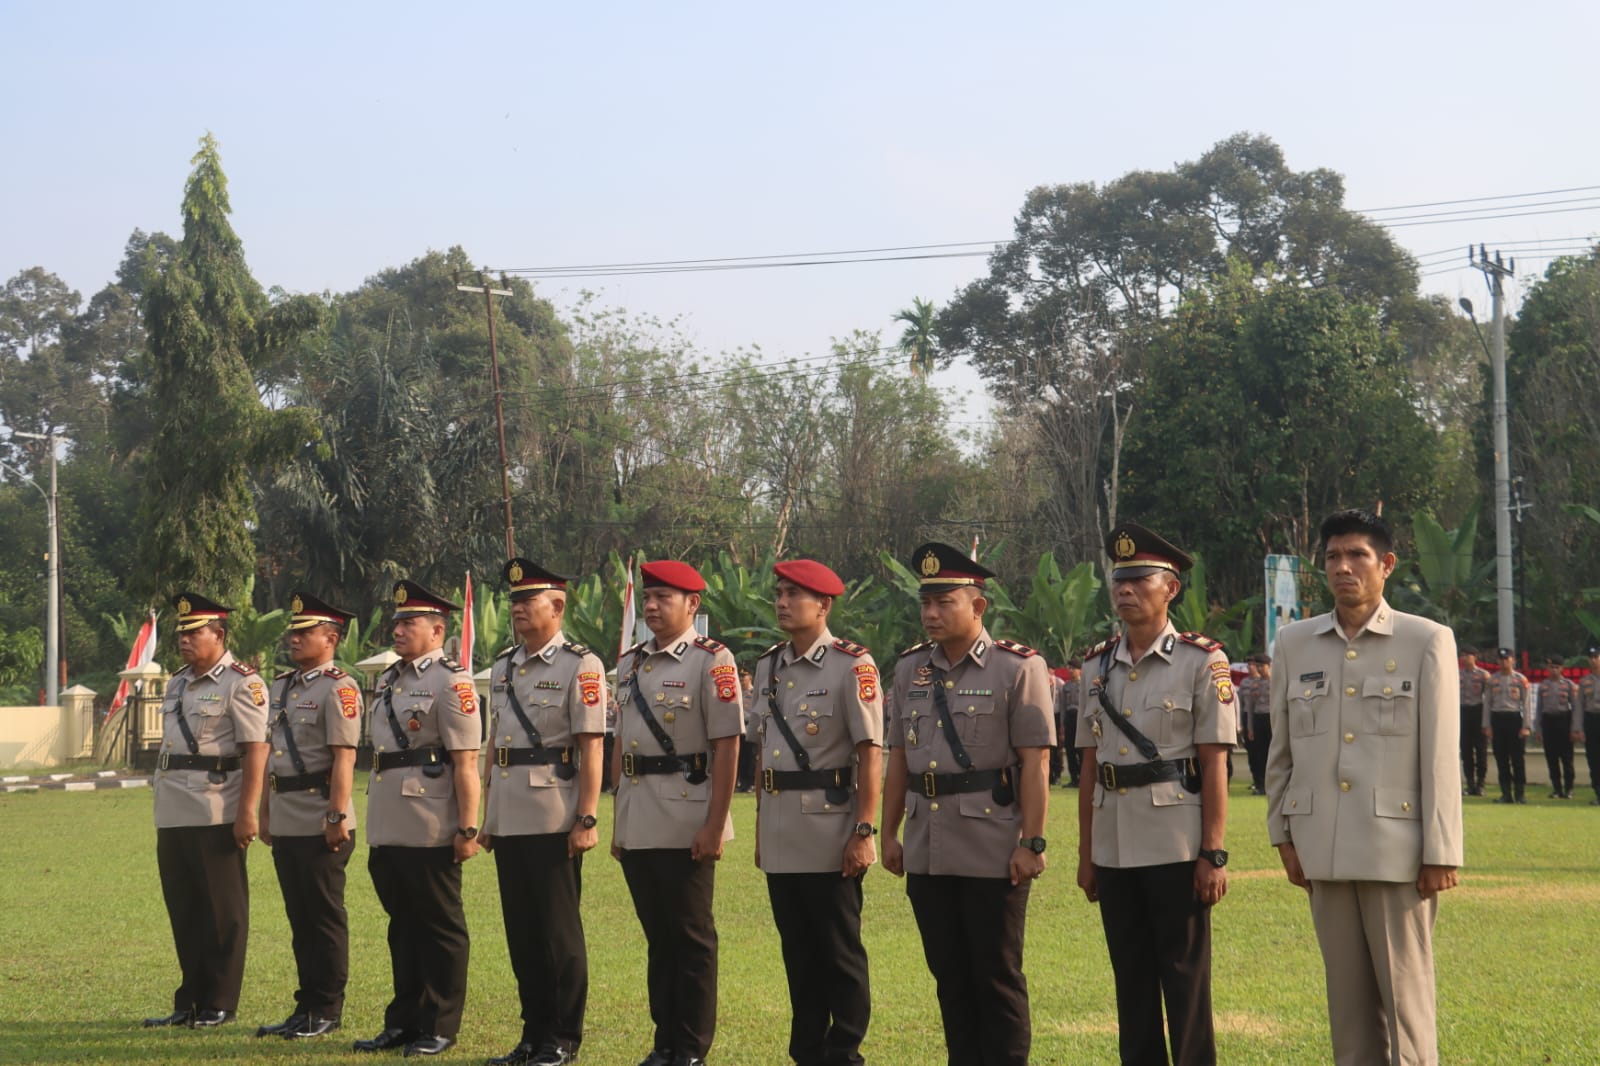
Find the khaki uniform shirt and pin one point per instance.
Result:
(692, 688)
(1556, 695)
(1245, 694)
(1508, 691)
(1067, 699)
(1473, 681)
(322, 708)
(225, 707)
(999, 695)
(1180, 695)
(436, 707)
(562, 689)
(1364, 773)
(830, 697)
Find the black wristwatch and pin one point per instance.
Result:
(1033, 844)
(587, 821)
(470, 832)
(1216, 857)
(334, 817)
(865, 829)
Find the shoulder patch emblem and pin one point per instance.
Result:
(467, 697)
(707, 644)
(349, 701)
(726, 678)
(866, 682)
(851, 648)
(258, 692)
(1201, 641)
(915, 648)
(1016, 649)
(589, 687)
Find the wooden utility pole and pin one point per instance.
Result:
(499, 406)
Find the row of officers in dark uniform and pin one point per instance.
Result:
(1501, 709)
(954, 748)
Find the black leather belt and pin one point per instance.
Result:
(532, 756)
(1136, 775)
(932, 784)
(634, 765)
(221, 763)
(317, 782)
(389, 760)
(775, 780)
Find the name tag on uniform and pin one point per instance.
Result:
(917, 694)
(306, 705)
(210, 697)
(817, 692)
(1312, 677)
(674, 684)
(420, 692)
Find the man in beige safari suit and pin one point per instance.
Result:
(818, 713)
(1364, 794)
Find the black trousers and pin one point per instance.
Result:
(207, 893)
(1591, 750)
(1474, 748)
(1558, 753)
(1256, 750)
(540, 888)
(745, 778)
(1509, 749)
(972, 935)
(672, 897)
(420, 889)
(1074, 756)
(1058, 760)
(1159, 937)
(312, 880)
(818, 916)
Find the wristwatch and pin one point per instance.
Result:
(470, 832)
(865, 829)
(1033, 844)
(1216, 857)
(587, 820)
(334, 817)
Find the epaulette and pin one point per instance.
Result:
(772, 649)
(707, 644)
(851, 648)
(287, 673)
(510, 650)
(243, 668)
(450, 664)
(334, 672)
(1101, 648)
(574, 647)
(915, 648)
(1016, 649)
(1201, 641)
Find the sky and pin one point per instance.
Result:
(357, 136)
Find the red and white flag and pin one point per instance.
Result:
(974, 553)
(467, 626)
(144, 651)
(628, 618)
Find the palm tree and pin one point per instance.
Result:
(917, 340)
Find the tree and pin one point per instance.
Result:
(209, 323)
(918, 340)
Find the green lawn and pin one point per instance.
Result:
(87, 951)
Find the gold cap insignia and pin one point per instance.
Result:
(400, 595)
(515, 572)
(297, 605)
(929, 564)
(1125, 547)
(184, 606)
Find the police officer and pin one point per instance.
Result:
(1159, 719)
(422, 823)
(1253, 710)
(969, 738)
(1067, 696)
(677, 755)
(207, 786)
(1508, 719)
(306, 812)
(819, 767)
(1589, 701)
(1557, 697)
(1474, 742)
(548, 703)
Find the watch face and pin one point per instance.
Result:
(587, 821)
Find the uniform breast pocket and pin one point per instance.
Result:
(919, 727)
(1309, 712)
(1177, 720)
(418, 787)
(975, 719)
(816, 713)
(1394, 699)
(210, 719)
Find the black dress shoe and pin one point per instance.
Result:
(177, 1017)
(310, 1026)
(688, 1060)
(517, 1056)
(386, 1040)
(210, 1019)
(429, 1045)
(282, 1028)
(658, 1057)
(554, 1055)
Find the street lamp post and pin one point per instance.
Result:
(52, 639)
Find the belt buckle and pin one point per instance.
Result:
(627, 764)
(502, 756)
(767, 783)
(929, 789)
(272, 781)
(161, 761)
(1108, 775)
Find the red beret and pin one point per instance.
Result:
(811, 575)
(673, 574)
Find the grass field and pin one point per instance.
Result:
(87, 951)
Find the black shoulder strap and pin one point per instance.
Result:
(394, 721)
(801, 756)
(180, 684)
(1146, 746)
(516, 709)
(947, 721)
(644, 709)
(288, 733)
